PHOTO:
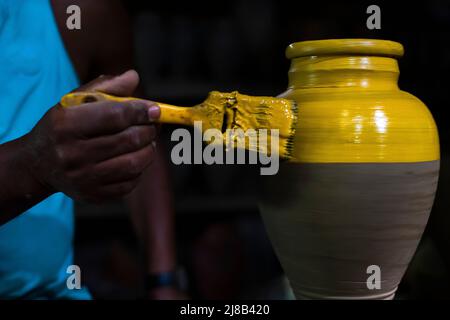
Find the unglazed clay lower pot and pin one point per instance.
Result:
(361, 184)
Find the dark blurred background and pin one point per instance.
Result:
(186, 49)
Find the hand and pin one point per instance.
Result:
(94, 151)
(167, 293)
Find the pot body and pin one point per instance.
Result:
(346, 214)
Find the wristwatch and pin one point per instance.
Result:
(162, 279)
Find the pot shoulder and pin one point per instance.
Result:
(362, 126)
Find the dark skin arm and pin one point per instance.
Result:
(57, 155)
(23, 190)
(104, 46)
(45, 160)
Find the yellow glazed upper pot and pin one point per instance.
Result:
(345, 215)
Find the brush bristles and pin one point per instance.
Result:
(289, 145)
(263, 116)
(242, 112)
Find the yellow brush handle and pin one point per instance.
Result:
(169, 113)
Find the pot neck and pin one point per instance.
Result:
(344, 71)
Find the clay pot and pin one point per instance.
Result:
(359, 190)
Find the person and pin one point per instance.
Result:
(92, 152)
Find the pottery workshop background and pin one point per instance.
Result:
(183, 51)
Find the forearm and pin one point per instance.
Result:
(19, 190)
(153, 216)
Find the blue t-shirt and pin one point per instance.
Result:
(35, 71)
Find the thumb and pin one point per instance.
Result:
(122, 85)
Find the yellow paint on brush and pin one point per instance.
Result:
(249, 112)
(210, 112)
(224, 111)
(350, 107)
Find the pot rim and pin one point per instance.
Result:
(371, 47)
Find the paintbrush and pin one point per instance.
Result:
(240, 118)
